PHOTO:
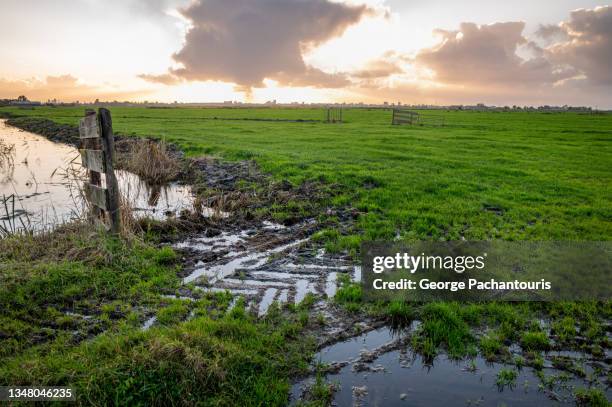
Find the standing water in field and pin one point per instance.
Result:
(378, 368)
(40, 185)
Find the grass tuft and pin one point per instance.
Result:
(151, 160)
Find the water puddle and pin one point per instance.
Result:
(40, 181)
(213, 244)
(236, 291)
(331, 284)
(377, 368)
(250, 259)
(283, 296)
(282, 275)
(267, 300)
(357, 274)
(148, 323)
(302, 288)
(233, 281)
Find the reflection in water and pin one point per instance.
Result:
(154, 196)
(378, 368)
(154, 200)
(46, 177)
(7, 160)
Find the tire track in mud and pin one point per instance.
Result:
(264, 264)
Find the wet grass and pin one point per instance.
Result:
(44, 277)
(442, 327)
(73, 303)
(506, 378)
(319, 394)
(465, 330)
(535, 341)
(591, 397)
(229, 361)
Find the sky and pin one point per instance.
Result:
(520, 52)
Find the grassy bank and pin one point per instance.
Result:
(73, 304)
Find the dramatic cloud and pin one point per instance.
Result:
(588, 47)
(247, 41)
(486, 54)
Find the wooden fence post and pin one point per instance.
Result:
(95, 178)
(97, 154)
(108, 141)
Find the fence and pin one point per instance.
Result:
(431, 120)
(401, 116)
(97, 149)
(333, 115)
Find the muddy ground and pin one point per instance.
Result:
(241, 248)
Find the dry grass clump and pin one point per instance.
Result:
(7, 151)
(72, 241)
(151, 160)
(129, 224)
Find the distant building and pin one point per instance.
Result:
(23, 101)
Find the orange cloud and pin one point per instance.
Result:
(164, 79)
(64, 87)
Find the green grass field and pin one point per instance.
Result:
(484, 175)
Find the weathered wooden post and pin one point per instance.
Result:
(97, 154)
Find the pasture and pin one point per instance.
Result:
(484, 175)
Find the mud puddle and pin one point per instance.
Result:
(378, 368)
(41, 181)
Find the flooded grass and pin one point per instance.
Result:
(377, 368)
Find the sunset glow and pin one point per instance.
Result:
(308, 51)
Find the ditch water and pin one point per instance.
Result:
(40, 183)
(377, 368)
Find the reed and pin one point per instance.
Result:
(152, 160)
(7, 153)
